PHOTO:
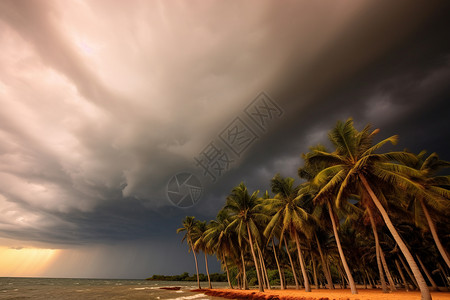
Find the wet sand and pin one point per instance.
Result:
(322, 294)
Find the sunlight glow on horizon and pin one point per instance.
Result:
(25, 262)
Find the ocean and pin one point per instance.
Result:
(71, 288)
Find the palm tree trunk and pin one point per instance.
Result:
(365, 281)
(263, 268)
(207, 271)
(292, 265)
(342, 278)
(278, 265)
(441, 249)
(341, 252)
(369, 278)
(327, 264)
(302, 263)
(324, 266)
(250, 240)
(345, 277)
(386, 270)
(377, 247)
(447, 279)
(284, 280)
(425, 292)
(416, 286)
(228, 272)
(265, 271)
(244, 275)
(443, 279)
(196, 264)
(238, 279)
(315, 273)
(402, 275)
(433, 284)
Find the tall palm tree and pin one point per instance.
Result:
(354, 165)
(201, 245)
(271, 239)
(325, 268)
(217, 238)
(289, 215)
(312, 169)
(437, 197)
(244, 212)
(377, 245)
(190, 227)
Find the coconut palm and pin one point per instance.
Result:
(218, 239)
(201, 245)
(271, 239)
(354, 166)
(311, 170)
(190, 227)
(244, 213)
(289, 215)
(437, 195)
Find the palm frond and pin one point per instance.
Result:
(439, 180)
(406, 158)
(398, 180)
(324, 176)
(393, 140)
(343, 187)
(343, 137)
(331, 185)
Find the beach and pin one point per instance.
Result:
(321, 294)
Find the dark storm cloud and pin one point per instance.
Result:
(105, 102)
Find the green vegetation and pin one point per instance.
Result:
(215, 277)
(357, 216)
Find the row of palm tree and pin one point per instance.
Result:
(364, 202)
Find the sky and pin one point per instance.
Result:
(106, 104)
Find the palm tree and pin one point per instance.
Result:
(437, 196)
(244, 212)
(189, 227)
(289, 215)
(312, 169)
(271, 239)
(354, 165)
(217, 238)
(201, 245)
(325, 268)
(377, 247)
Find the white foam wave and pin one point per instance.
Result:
(197, 296)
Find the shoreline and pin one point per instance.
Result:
(318, 294)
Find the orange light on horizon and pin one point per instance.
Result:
(25, 262)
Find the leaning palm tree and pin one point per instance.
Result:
(201, 245)
(313, 168)
(244, 212)
(438, 195)
(190, 227)
(354, 166)
(289, 215)
(217, 238)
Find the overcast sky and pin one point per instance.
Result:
(104, 101)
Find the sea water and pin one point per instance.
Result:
(71, 288)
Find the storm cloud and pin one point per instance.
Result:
(104, 101)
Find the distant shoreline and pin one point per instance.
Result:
(215, 277)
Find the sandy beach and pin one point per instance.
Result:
(337, 294)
